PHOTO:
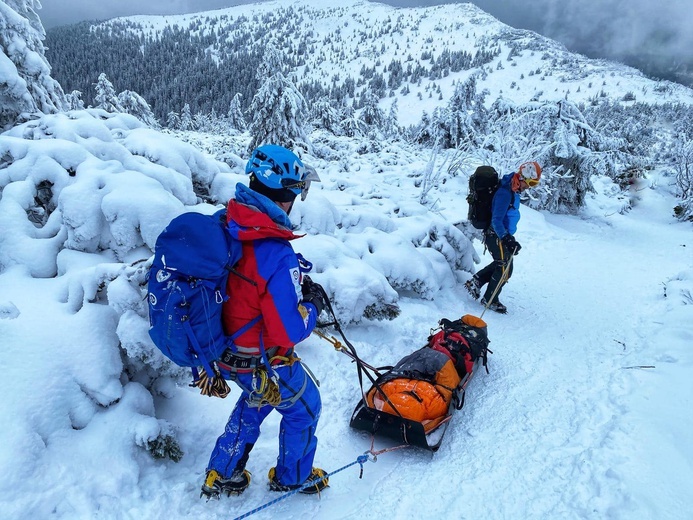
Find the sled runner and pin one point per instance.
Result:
(414, 400)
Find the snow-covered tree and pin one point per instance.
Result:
(558, 137)
(350, 124)
(278, 110)
(466, 116)
(26, 85)
(173, 120)
(106, 98)
(186, 118)
(372, 114)
(391, 123)
(324, 115)
(202, 122)
(683, 168)
(73, 100)
(134, 104)
(235, 114)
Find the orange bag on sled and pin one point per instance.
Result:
(415, 397)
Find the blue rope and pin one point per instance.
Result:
(361, 459)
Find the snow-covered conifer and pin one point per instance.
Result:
(73, 100)
(467, 115)
(186, 118)
(279, 111)
(324, 115)
(391, 123)
(372, 114)
(173, 120)
(106, 98)
(134, 104)
(235, 114)
(202, 122)
(683, 168)
(26, 85)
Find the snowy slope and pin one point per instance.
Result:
(337, 41)
(570, 423)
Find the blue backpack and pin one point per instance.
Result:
(193, 257)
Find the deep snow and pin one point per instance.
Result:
(568, 423)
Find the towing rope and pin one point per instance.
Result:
(361, 460)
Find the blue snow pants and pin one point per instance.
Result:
(300, 409)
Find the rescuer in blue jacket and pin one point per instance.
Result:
(276, 306)
(499, 237)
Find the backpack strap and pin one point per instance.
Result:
(198, 350)
(243, 330)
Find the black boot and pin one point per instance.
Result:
(496, 306)
(215, 485)
(317, 476)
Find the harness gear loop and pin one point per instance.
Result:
(265, 387)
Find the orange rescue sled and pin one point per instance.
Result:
(413, 401)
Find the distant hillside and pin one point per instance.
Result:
(415, 55)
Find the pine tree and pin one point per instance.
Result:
(106, 98)
(173, 120)
(134, 104)
(324, 115)
(467, 115)
(279, 110)
(73, 101)
(350, 124)
(26, 85)
(391, 124)
(235, 114)
(683, 169)
(372, 114)
(186, 119)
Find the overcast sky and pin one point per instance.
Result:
(617, 29)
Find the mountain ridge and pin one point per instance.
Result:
(340, 52)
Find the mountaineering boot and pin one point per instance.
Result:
(472, 286)
(317, 476)
(215, 485)
(495, 306)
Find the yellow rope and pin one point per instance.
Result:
(266, 388)
(330, 339)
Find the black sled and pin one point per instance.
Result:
(408, 431)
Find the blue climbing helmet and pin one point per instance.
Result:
(277, 173)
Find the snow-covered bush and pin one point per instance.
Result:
(683, 169)
(83, 198)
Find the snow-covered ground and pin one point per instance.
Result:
(586, 412)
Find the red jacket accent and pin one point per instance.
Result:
(270, 262)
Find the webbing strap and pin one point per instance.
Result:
(243, 330)
(198, 349)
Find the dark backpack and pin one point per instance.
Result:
(465, 339)
(483, 184)
(187, 286)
